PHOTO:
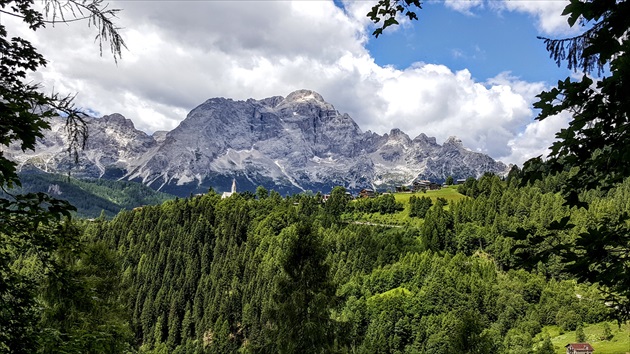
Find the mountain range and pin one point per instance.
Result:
(289, 144)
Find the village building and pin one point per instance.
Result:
(367, 193)
(425, 185)
(229, 194)
(579, 348)
(420, 185)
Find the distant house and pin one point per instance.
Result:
(426, 185)
(420, 185)
(460, 181)
(579, 348)
(367, 193)
(229, 194)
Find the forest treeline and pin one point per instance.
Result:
(91, 196)
(265, 274)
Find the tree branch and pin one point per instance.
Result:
(46, 21)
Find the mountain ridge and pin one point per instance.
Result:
(290, 144)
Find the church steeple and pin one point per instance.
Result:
(229, 194)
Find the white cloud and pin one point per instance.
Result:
(464, 6)
(182, 53)
(434, 100)
(548, 13)
(536, 139)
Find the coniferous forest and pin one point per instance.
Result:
(259, 273)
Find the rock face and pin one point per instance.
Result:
(288, 144)
(112, 147)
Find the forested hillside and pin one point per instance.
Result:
(92, 196)
(272, 274)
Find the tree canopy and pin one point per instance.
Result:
(595, 146)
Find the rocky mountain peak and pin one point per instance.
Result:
(396, 132)
(119, 120)
(425, 140)
(399, 136)
(454, 141)
(270, 101)
(290, 144)
(304, 95)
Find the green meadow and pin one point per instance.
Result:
(618, 344)
(449, 193)
(402, 218)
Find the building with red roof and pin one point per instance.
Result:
(579, 348)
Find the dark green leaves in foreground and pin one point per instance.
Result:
(387, 11)
(602, 255)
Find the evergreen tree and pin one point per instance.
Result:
(607, 332)
(437, 230)
(546, 347)
(337, 203)
(580, 337)
(82, 312)
(304, 294)
(419, 206)
(264, 276)
(261, 193)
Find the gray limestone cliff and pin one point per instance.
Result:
(290, 144)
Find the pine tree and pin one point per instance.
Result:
(546, 347)
(337, 204)
(580, 337)
(304, 293)
(607, 332)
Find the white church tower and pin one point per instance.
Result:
(229, 194)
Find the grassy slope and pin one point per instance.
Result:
(402, 217)
(449, 193)
(619, 344)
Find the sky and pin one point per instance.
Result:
(468, 68)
